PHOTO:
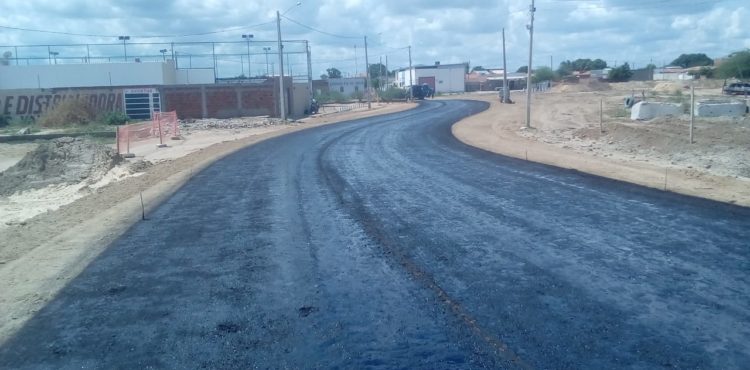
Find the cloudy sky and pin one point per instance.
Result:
(636, 31)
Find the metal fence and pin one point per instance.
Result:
(228, 59)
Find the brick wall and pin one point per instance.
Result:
(223, 100)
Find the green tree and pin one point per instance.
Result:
(598, 64)
(5, 59)
(543, 74)
(333, 73)
(651, 66)
(324, 76)
(377, 74)
(621, 73)
(567, 67)
(737, 66)
(477, 68)
(692, 60)
(523, 69)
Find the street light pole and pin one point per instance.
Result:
(124, 40)
(248, 37)
(532, 9)
(163, 54)
(411, 94)
(54, 55)
(282, 95)
(369, 82)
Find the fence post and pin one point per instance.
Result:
(692, 111)
(601, 116)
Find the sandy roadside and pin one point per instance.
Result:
(40, 256)
(498, 130)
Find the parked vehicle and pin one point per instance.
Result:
(422, 91)
(737, 88)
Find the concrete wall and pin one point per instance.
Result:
(300, 100)
(649, 110)
(720, 108)
(32, 103)
(82, 75)
(194, 76)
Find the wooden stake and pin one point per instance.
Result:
(143, 209)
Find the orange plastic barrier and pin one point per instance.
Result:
(163, 124)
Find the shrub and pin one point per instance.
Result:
(4, 121)
(331, 97)
(394, 93)
(115, 118)
(68, 112)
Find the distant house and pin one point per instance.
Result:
(672, 73)
(347, 85)
(492, 80)
(442, 78)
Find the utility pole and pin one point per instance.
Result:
(532, 9)
(309, 70)
(506, 93)
(356, 66)
(550, 63)
(692, 111)
(411, 94)
(367, 69)
(386, 72)
(282, 94)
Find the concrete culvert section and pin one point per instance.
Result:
(650, 110)
(61, 161)
(720, 108)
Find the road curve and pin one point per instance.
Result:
(386, 243)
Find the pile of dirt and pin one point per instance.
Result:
(61, 161)
(667, 87)
(583, 86)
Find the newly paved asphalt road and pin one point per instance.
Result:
(386, 243)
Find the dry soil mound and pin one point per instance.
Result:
(583, 86)
(61, 161)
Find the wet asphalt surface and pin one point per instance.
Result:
(386, 243)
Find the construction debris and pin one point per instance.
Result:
(61, 161)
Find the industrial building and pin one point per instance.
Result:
(442, 78)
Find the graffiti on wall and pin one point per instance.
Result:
(31, 104)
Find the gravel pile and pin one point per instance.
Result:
(60, 161)
(230, 123)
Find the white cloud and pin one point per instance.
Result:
(637, 31)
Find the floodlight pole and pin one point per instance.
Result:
(282, 95)
(124, 45)
(248, 37)
(532, 9)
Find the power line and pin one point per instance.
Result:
(136, 36)
(320, 31)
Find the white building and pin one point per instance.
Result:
(672, 74)
(443, 78)
(100, 75)
(347, 85)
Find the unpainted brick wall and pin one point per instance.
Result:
(222, 100)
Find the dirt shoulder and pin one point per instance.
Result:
(655, 154)
(40, 255)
